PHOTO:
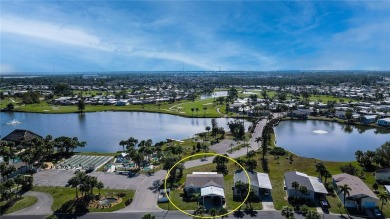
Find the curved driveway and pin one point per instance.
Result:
(146, 195)
(42, 207)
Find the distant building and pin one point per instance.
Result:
(360, 196)
(300, 113)
(382, 174)
(367, 119)
(384, 122)
(19, 135)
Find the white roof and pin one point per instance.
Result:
(204, 173)
(264, 181)
(317, 185)
(212, 190)
(387, 187)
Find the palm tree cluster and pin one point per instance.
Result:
(288, 212)
(221, 164)
(370, 160)
(144, 151)
(322, 171)
(9, 192)
(85, 184)
(39, 149)
(175, 173)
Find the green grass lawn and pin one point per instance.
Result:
(25, 202)
(182, 108)
(64, 196)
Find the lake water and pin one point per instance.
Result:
(214, 95)
(104, 130)
(327, 140)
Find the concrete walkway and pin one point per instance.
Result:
(268, 204)
(42, 207)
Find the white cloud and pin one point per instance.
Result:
(53, 32)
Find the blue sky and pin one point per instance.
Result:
(76, 36)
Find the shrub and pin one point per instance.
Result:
(122, 195)
(278, 151)
(304, 209)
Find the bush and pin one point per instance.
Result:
(128, 202)
(122, 195)
(44, 166)
(304, 209)
(278, 151)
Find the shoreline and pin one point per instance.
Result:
(127, 110)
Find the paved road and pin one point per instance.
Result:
(175, 215)
(42, 207)
(145, 199)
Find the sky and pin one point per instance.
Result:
(231, 35)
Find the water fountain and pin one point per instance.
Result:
(13, 122)
(321, 132)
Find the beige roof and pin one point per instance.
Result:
(203, 180)
(358, 187)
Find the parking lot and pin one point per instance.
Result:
(59, 177)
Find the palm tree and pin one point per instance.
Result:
(196, 197)
(384, 197)
(99, 186)
(327, 175)
(123, 144)
(81, 105)
(241, 188)
(320, 168)
(359, 154)
(295, 185)
(247, 148)
(345, 190)
(204, 111)
(258, 140)
(303, 190)
(208, 129)
(76, 181)
(192, 110)
(197, 110)
(148, 216)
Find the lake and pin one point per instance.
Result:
(104, 130)
(327, 140)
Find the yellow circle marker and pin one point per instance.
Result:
(213, 154)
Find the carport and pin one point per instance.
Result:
(209, 194)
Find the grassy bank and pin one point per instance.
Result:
(64, 198)
(25, 202)
(182, 108)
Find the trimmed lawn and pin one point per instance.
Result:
(25, 202)
(64, 197)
